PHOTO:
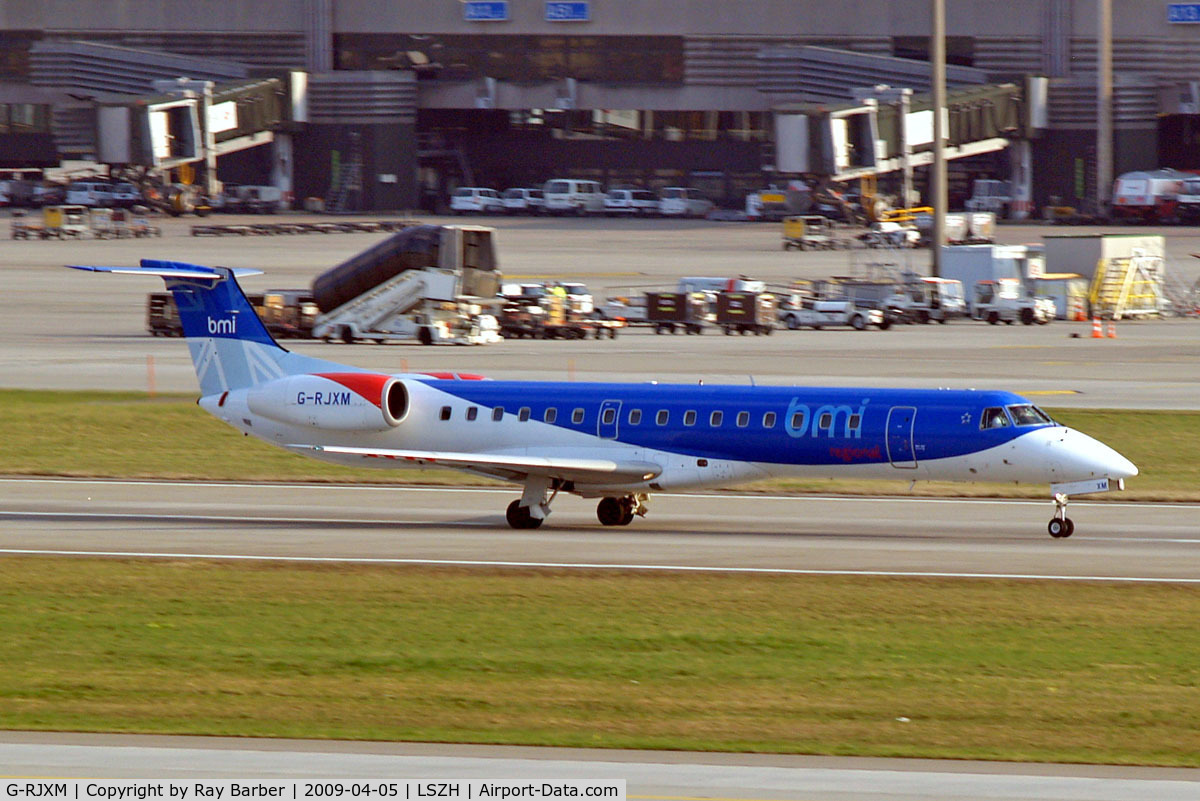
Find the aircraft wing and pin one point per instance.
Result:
(512, 467)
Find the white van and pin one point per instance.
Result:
(571, 196)
(680, 201)
(477, 199)
(90, 193)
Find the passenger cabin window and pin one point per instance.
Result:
(635, 417)
(993, 417)
(523, 414)
(498, 413)
(769, 420)
(610, 416)
(472, 412)
(663, 417)
(798, 420)
(825, 422)
(715, 418)
(577, 416)
(743, 419)
(551, 415)
(445, 413)
(1026, 414)
(689, 418)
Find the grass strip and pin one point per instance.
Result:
(980, 669)
(130, 435)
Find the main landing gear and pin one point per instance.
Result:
(1060, 525)
(533, 507)
(620, 511)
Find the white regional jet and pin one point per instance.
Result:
(614, 442)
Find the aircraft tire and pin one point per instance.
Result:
(518, 516)
(610, 512)
(1061, 529)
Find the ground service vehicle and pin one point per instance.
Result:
(681, 201)
(630, 308)
(289, 313)
(802, 312)
(616, 442)
(1002, 301)
(809, 232)
(572, 196)
(1147, 195)
(519, 200)
(630, 203)
(923, 299)
(541, 311)
(991, 195)
(475, 200)
(1188, 207)
(426, 282)
(247, 199)
(767, 204)
(672, 312)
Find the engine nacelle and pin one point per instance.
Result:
(335, 401)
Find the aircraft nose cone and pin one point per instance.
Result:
(1084, 457)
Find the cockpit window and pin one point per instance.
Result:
(993, 417)
(1026, 414)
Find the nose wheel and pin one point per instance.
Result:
(1060, 526)
(620, 511)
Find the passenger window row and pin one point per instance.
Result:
(609, 416)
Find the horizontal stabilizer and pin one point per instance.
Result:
(584, 471)
(167, 269)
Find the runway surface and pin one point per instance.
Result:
(650, 775)
(904, 536)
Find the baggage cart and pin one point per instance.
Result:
(677, 311)
(746, 312)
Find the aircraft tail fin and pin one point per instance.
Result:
(230, 346)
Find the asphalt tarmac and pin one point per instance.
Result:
(898, 536)
(649, 775)
(64, 329)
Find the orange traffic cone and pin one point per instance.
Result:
(1096, 332)
(1112, 329)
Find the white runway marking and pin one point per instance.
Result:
(595, 566)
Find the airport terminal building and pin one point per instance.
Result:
(390, 105)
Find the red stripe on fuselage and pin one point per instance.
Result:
(369, 385)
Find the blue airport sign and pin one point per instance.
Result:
(1184, 13)
(577, 11)
(485, 10)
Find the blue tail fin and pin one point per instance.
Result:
(230, 346)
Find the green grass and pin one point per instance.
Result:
(129, 435)
(980, 669)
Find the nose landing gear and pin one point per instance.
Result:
(1060, 525)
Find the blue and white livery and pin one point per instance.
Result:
(615, 442)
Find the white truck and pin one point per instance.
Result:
(1002, 301)
(923, 299)
(800, 312)
(426, 282)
